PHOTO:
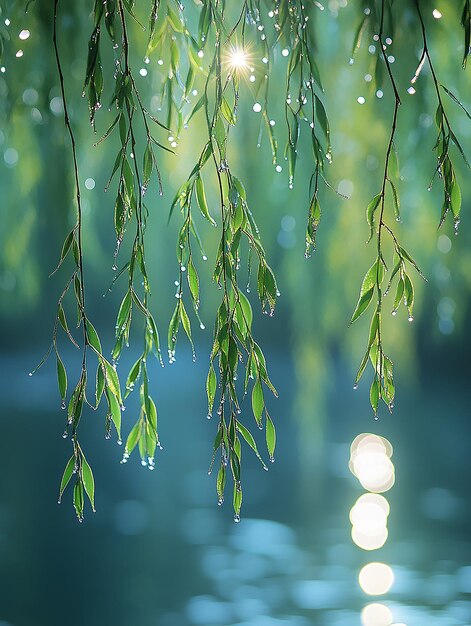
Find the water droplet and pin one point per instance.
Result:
(202, 326)
(220, 501)
(65, 434)
(205, 258)
(63, 405)
(120, 442)
(394, 313)
(143, 462)
(114, 267)
(355, 386)
(272, 459)
(236, 518)
(410, 318)
(30, 374)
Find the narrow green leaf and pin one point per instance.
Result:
(88, 481)
(247, 435)
(227, 112)
(374, 394)
(370, 212)
(211, 384)
(257, 401)
(92, 337)
(270, 434)
(61, 377)
(202, 203)
(455, 197)
(67, 475)
(115, 411)
(100, 383)
(78, 499)
(133, 437)
(399, 295)
(367, 290)
(123, 314)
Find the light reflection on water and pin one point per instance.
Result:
(263, 576)
(300, 572)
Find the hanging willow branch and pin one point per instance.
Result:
(215, 61)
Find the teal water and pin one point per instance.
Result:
(159, 551)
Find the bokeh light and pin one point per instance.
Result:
(376, 578)
(376, 614)
(370, 462)
(369, 541)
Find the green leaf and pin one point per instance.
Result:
(112, 380)
(78, 500)
(92, 337)
(257, 401)
(123, 314)
(408, 294)
(270, 434)
(370, 212)
(237, 501)
(133, 437)
(148, 163)
(405, 255)
(455, 198)
(185, 321)
(358, 36)
(88, 481)
(133, 374)
(193, 281)
(246, 309)
(100, 383)
(367, 290)
(211, 384)
(67, 475)
(235, 465)
(115, 411)
(247, 435)
(61, 377)
(201, 197)
(221, 483)
(227, 112)
(323, 121)
(399, 295)
(151, 412)
(374, 394)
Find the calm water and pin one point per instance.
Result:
(159, 551)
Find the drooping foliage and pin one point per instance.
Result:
(210, 53)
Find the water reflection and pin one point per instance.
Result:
(170, 557)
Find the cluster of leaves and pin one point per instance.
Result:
(303, 104)
(212, 62)
(382, 386)
(234, 346)
(445, 168)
